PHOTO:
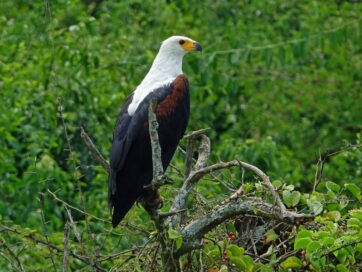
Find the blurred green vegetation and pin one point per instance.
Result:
(279, 83)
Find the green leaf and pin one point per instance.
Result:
(354, 189)
(175, 235)
(343, 201)
(136, 265)
(358, 248)
(316, 260)
(264, 268)
(244, 263)
(248, 187)
(304, 234)
(238, 262)
(249, 263)
(302, 243)
(334, 187)
(328, 241)
(313, 246)
(321, 234)
(179, 242)
(231, 227)
(356, 213)
(215, 253)
(291, 262)
(341, 268)
(333, 215)
(341, 255)
(235, 250)
(270, 236)
(315, 206)
(291, 198)
(353, 224)
(277, 183)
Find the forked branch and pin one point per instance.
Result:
(193, 232)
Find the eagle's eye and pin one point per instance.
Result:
(181, 42)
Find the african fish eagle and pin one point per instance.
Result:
(131, 155)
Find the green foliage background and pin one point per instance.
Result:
(278, 82)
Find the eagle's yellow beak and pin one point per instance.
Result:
(190, 45)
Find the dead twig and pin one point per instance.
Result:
(15, 256)
(65, 246)
(181, 199)
(197, 133)
(76, 209)
(97, 155)
(32, 237)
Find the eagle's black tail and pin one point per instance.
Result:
(121, 208)
(122, 199)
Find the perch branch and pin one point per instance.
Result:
(196, 133)
(159, 178)
(204, 152)
(152, 193)
(155, 142)
(151, 199)
(180, 202)
(190, 148)
(195, 176)
(267, 184)
(189, 155)
(195, 230)
(97, 155)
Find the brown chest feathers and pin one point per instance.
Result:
(169, 104)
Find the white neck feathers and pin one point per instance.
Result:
(165, 68)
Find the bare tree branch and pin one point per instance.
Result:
(9, 261)
(76, 209)
(180, 202)
(155, 143)
(204, 152)
(97, 155)
(15, 256)
(195, 176)
(40, 241)
(189, 156)
(195, 230)
(65, 246)
(196, 133)
(74, 226)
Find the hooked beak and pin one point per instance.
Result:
(198, 47)
(190, 46)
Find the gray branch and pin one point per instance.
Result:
(155, 143)
(181, 199)
(65, 246)
(195, 176)
(195, 230)
(97, 155)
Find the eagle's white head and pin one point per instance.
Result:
(165, 68)
(179, 45)
(168, 62)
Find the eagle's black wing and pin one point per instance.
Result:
(131, 155)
